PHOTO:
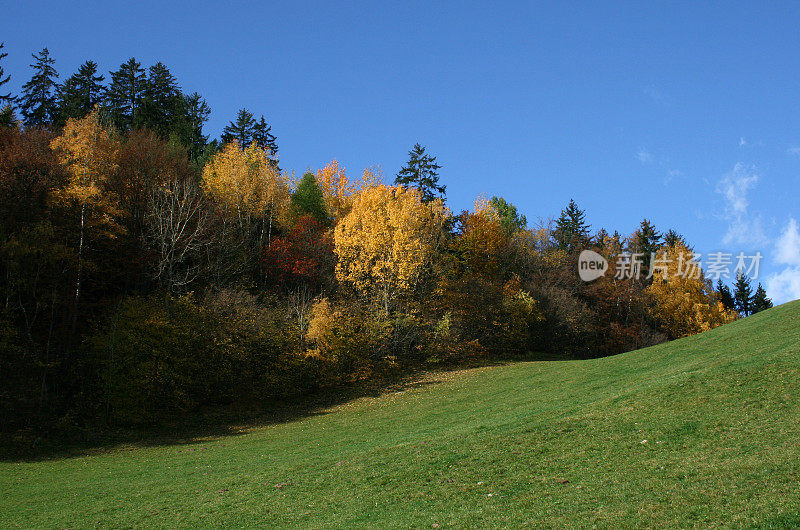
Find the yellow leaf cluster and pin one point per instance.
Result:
(337, 189)
(387, 239)
(245, 182)
(684, 304)
(89, 152)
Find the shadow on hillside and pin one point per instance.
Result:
(211, 424)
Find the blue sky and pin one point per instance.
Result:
(686, 114)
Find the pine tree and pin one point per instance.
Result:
(743, 294)
(760, 300)
(308, 199)
(80, 93)
(421, 172)
(263, 137)
(572, 231)
(38, 101)
(725, 295)
(4, 98)
(507, 213)
(125, 95)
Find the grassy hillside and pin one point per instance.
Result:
(704, 431)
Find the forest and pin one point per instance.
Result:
(148, 271)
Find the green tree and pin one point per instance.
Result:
(646, 241)
(162, 104)
(241, 129)
(38, 101)
(510, 219)
(421, 172)
(725, 295)
(195, 113)
(80, 93)
(673, 238)
(4, 98)
(308, 199)
(572, 231)
(760, 300)
(125, 94)
(743, 294)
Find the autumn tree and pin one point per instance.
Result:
(685, 303)
(387, 240)
(339, 191)
(421, 172)
(89, 153)
(38, 101)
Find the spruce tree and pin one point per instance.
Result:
(760, 300)
(4, 98)
(38, 101)
(421, 172)
(263, 137)
(162, 102)
(743, 294)
(572, 231)
(673, 238)
(195, 113)
(125, 95)
(646, 241)
(241, 129)
(725, 295)
(80, 93)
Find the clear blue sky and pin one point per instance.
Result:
(686, 114)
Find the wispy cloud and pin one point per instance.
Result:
(742, 142)
(734, 188)
(644, 156)
(794, 151)
(784, 286)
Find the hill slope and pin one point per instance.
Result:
(704, 431)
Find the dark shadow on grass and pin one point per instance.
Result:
(219, 422)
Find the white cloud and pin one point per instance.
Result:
(742, 142)
(784, 286)
(794, 151)
(734, 187)
(787, 248)
(644, 156)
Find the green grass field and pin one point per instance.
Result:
(704, 431)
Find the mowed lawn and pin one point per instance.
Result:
(703, 432)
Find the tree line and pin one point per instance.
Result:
(148, 271)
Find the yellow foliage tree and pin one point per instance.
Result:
(684, 302)
(89, 153)
(246, 185)
(387, 240)
(337, 189)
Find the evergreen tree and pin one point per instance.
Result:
(38, 101)
(308, 199)
(242, 129)
(80, 93)
(760, 300)
(125, 95)
(743, 294)
(725, 295)
(673, 238)
(4, 98)
(421, 172)
(162, 104)
(572, 231)
(195, 113)
(263, 137)
(646, 241)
